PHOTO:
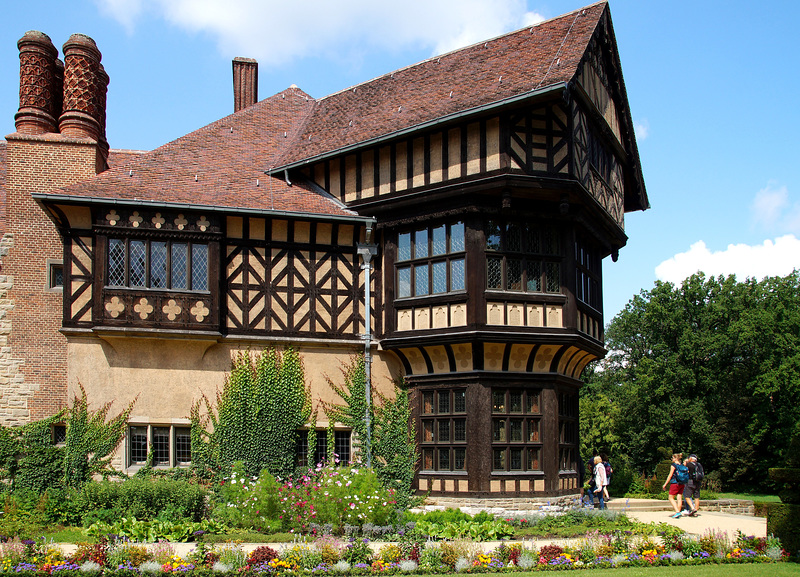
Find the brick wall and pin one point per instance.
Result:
(33, 353)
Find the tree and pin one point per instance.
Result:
(711, 366)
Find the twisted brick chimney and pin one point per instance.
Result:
(245, 83)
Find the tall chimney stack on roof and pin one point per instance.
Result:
(245, 83)
(40, 76)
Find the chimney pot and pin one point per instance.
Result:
(39, 94)
(83, 84)
(245, 83)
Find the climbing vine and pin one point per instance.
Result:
(394, 453)
(263, 403)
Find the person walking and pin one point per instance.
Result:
(599, 480)
(691, 492)
(677, 479)
(609, 472)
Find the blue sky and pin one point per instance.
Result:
(712, 87)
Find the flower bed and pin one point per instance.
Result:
(353, 556)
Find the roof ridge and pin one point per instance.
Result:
(456, 50)
(284, 148)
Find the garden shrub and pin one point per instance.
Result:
(261, 555)
(145, 499)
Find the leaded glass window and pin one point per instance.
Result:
(516, 422)
(430, 261)
(443, 429)
(522, 256)
(162, 265)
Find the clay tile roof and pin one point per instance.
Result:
(221, 164)
(488, 72)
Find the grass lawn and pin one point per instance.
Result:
(751, 497)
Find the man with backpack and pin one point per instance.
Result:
(691, 491)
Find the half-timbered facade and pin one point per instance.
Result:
(490, 184)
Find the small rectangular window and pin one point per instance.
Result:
(161, 446)
(342, 445)
(183, 445)
(55, 275)
(59, 434)
(137, 444)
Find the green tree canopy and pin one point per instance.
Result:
(711, 366)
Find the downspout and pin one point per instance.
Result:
(367, 250)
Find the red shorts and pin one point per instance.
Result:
(675, 489)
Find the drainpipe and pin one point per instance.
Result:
(367, 250)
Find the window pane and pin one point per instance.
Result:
(459, 401)
(533, 431)
(56, 275)
(421, 243)
(499, 460)
(444, 459)
(404, 246)
(199, 267)
(440, 277)
(514, 273)
(161, 445)
(427, 403)
(515, 462)
(492, 235)
(427, 459)
(553, 277)
(515, 402)
(498, 401)
(457, 237)
(533, 239)
(301, 448)
(444, 402)
(459, 459)
(533, 459)
(427, 431)
(158, 265)
(180, 259)
(421, 280)
(549, 241)
(116, 262)
(137, 265)
(444, 431)
(321, 451)
(439, 240)
(138, 444)
(514, 238)
(515, 431)
(460, 430)
(457, 274)
(533, 402)
(494, 272)
(183, 445)
(342, 445)
(499, 430)
(534, 276)
(404, 282)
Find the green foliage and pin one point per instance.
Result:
(145, 499)
(40, 463)
(263, 403)
(91, 440)
(394, 452)
(152, 531)
(490, 530)
(711, 367)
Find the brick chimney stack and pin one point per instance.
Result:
(40, 77)
(245, 83)
(83, 85)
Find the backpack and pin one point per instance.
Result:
(681, 474)
(609, 470)
(699, 474)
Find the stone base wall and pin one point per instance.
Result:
(734, 506)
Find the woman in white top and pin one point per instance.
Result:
(599, 479)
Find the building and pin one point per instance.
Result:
(475, 194)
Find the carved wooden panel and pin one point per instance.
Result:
(540, 140)
(158, 309)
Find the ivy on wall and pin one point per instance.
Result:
(30, 460)
(263, 403)
(394, 452)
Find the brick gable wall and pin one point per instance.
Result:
(33, 352)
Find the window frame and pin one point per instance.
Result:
(174, 432)
(588, 275)
(531, 250)
(568, 433)
(419, 264)
(437, 455)
(190, 274)
(321, 450)
(52, 266)
(528, 413)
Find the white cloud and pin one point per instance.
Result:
(278, 32)
(642, 128)
(772, 258)
(772, 208)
